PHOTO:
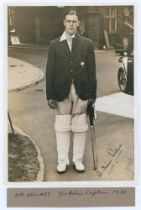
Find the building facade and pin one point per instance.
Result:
(106, 26)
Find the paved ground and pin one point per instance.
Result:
(119, 104)
(22, 74)
(115, 141)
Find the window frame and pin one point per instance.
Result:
(109, 17)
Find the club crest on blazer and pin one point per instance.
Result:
(82, 63)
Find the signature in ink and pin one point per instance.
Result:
(114, 151)
(115, 161)
(103, 168)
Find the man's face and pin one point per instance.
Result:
(71, 23)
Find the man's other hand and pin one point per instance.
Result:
(91, 102)
(91, 108)
(52, 104)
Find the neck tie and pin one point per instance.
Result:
(69, 41)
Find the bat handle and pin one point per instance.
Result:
(91, 120)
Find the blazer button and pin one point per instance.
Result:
(71, 70)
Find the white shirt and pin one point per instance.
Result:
(67, 37)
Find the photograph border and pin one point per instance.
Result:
(68, 184)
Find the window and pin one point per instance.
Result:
(111, 19)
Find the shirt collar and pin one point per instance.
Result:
(64, 37)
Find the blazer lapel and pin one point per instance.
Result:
(76, 45)
(65, 47)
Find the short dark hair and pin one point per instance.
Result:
(71, 12)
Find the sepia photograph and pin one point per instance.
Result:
(70, 93)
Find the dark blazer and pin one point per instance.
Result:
(64, 66)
